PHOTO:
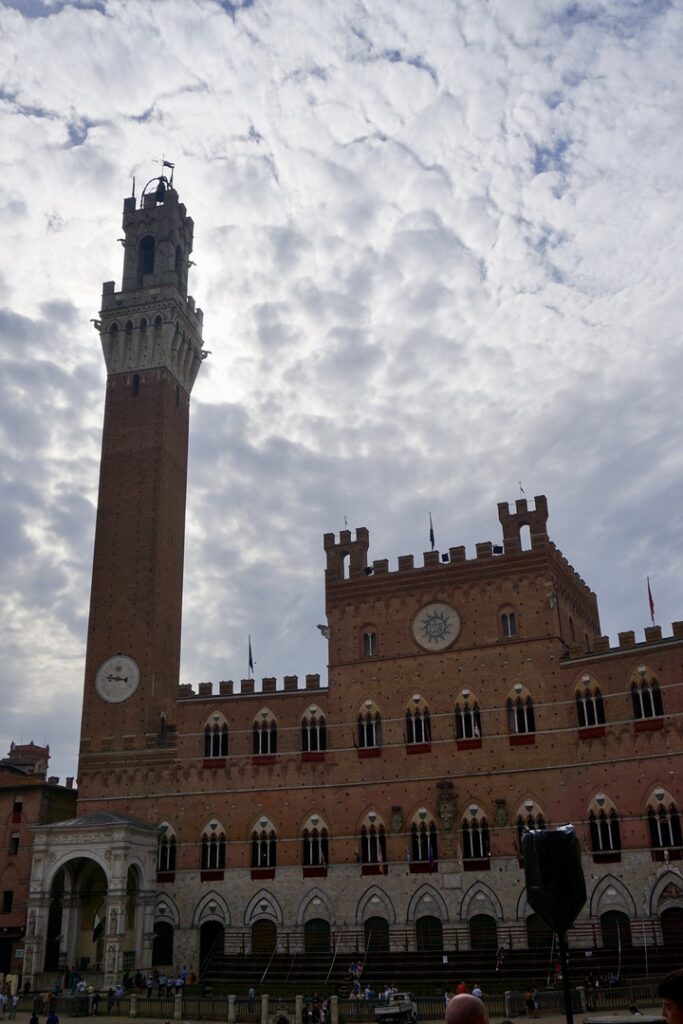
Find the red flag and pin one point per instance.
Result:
(651, 600)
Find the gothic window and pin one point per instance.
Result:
(603, 826)
(646, 697)
(178, 261)
(263, 845)
(264, 733)
(590, 706)
(467, 718)
(143, 326)
(418, 722)
(529, 816)
(423, 841)
(373, 842)
(315, 849)
(129, 327)
(213, 847)
(475, 835)
(216, 737)
(520, 711)
(13, 844)
(145, 258)
(369, 727)
(313, 731)
(508, 624)
(166, 849)
(665, 826)
(369, 642)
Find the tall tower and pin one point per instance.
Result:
(151, 340)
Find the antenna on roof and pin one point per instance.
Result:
(133, 192)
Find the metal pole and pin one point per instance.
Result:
(564, 963)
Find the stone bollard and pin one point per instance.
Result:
(133, 1012)
(334, 1009)
(508, 1004)
(299, 1008)
(582, 998)
(264, 1009)
(232, 1014)
(178, 1006)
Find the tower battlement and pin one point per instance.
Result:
(152, 321)
(247, 687)
(512, 522)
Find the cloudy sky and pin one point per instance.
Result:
(439, 248)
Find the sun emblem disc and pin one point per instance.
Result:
(436, 626)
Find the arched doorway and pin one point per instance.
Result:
(211, 940)
(616, 929)
(672, 926)
(483, 933)
(428, 933)
(76, 917)
(317, 936)
(263, 936)
(538, 936)
(377, 935)
(162, 949)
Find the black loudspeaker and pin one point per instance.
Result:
(555, 886)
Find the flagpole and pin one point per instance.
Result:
(651, 602)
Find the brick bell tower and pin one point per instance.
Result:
(151, 339)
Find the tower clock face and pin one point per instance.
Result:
(117, 679)
(436, 626)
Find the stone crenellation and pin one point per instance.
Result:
(338, 550)
(247, 687)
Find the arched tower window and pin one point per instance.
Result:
(369, 727)
(508, 623)
(475, 837)
(313, 731)
(418, 722)
(369, 641)
(664, 823)
(590, 706)
(373, 845)
(646, 695)
(315, 843)
(520, 713)
(603, 828)
(264, 734)
(166, 848)
(423, 841)
(213, 847)
(529, 816)
(146, 249)
(467, 717)
(263, 844)
(216, 737)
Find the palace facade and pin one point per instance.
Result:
(468, 696)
